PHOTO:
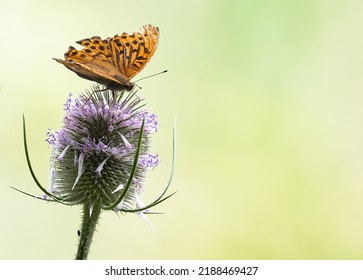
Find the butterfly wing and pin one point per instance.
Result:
(94, 62)
(113, 61)
(131, 53)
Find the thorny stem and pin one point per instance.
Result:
(90, 219)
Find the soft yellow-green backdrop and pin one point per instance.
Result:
(268, 96)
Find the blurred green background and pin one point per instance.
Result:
(268, 96)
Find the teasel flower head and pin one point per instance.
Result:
(94, 151)
(102, 153)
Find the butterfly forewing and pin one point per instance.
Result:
(132, 52)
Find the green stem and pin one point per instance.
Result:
(88, 228)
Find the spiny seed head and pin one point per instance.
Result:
(94, 151)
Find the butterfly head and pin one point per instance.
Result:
(128, 86)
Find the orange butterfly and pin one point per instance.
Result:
(114, 61)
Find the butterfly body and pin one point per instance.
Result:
(114, 61)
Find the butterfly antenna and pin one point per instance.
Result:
(151, 76)
(138, 85)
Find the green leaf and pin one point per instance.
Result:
(160, 198)
(133, 170)
(32, 172)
